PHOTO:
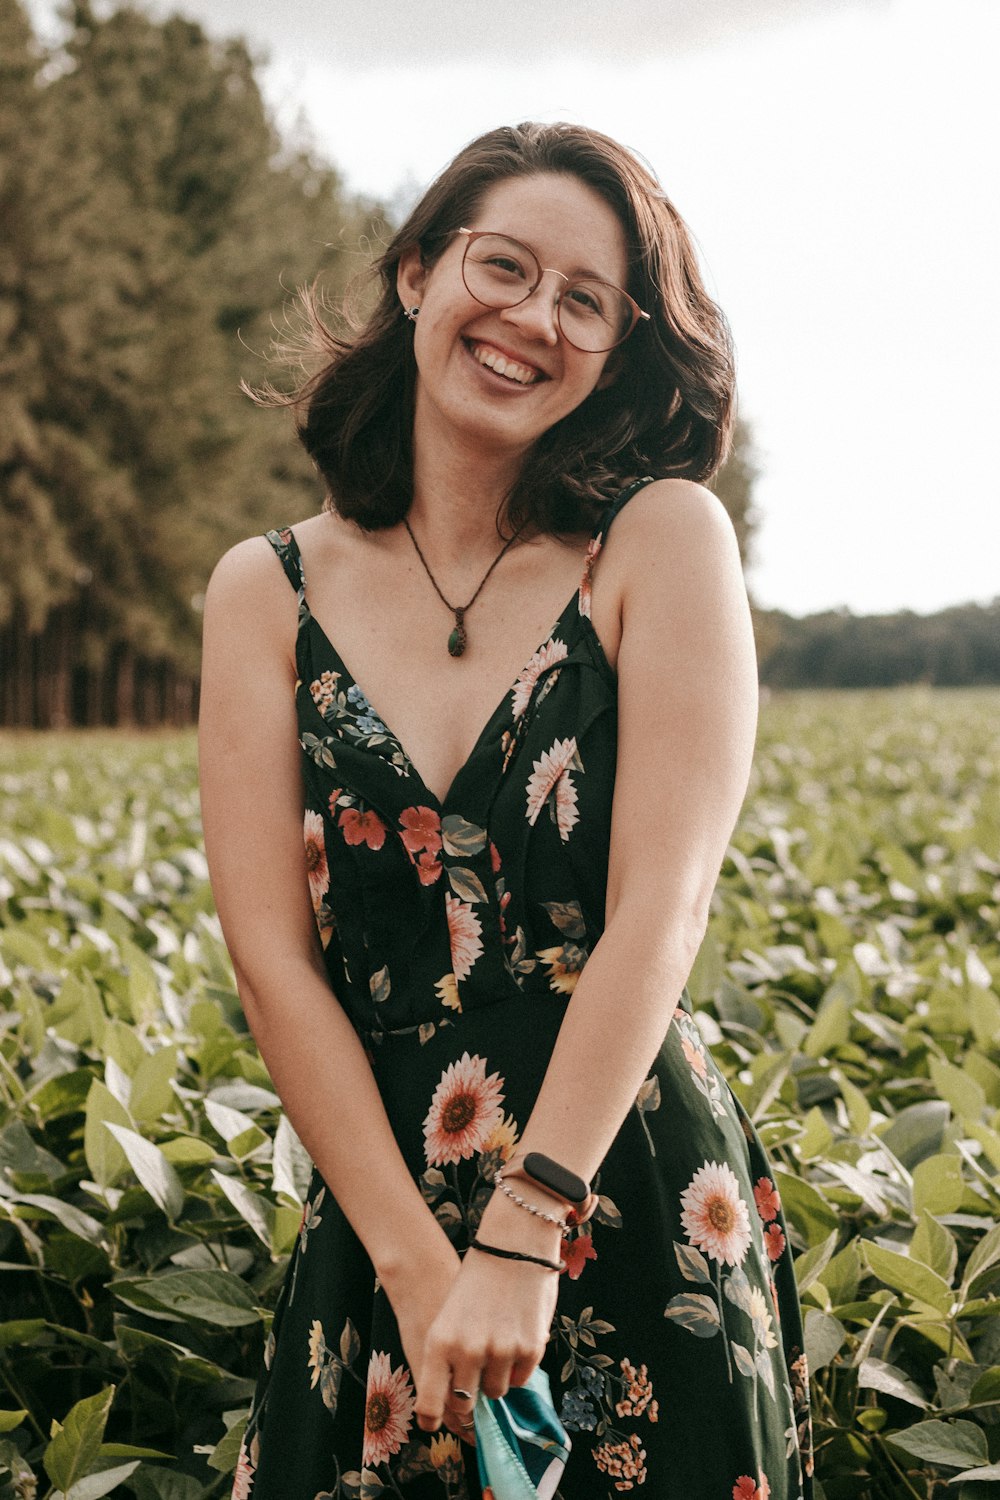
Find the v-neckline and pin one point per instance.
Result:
(439, 803)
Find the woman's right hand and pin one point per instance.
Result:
(417, 1294)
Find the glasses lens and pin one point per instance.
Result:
(499, 272)
(594, 315)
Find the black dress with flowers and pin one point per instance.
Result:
(454, 934)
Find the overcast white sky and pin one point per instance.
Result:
(836, 162)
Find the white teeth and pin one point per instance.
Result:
(500, 365)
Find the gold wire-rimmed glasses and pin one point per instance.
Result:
(593, 315)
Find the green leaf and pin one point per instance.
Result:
(909, 1277)
(917, 1131)
(460, 838)
(11, 1419)
(810, 1265)
(153, 1170)
(71, 1218)
(987, 1472)
(985, 1254)
(152, 1096)
(75, 1447)
(805, 1207)
(251, 1206)
(961, 1090)
(933, 1245)
(188, 1150)
(105, 1158)
(832, 1026)
(226, 1452)
(824, 1338)
(696, 1312)
(951, 1444)
(21, 1331)
(877, 1375)
(938, 1185)
(217, 1297)
(987, 1387)
(105, 1482)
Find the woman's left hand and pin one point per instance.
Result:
(492, 1329)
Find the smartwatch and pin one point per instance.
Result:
(559, 1180)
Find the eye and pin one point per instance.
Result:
(502, 263)
(589, 299)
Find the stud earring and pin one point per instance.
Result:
(411, 313)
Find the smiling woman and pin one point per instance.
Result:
(532, 1184)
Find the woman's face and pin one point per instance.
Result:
(571, 229)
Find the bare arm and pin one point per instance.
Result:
(252, 807)
(687, 717)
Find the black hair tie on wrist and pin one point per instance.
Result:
(536, 1260)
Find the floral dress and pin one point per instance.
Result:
(454, 934)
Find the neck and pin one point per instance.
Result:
(458, 491)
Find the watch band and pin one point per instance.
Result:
(558, 1179)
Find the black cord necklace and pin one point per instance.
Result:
(458, 639)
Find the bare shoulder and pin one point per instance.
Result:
(675, 518)
(251, 610)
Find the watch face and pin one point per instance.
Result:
(550, 1174)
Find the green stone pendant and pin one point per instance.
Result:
(458, 639)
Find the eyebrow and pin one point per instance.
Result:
(580, 272)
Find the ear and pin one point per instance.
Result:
(411, 274)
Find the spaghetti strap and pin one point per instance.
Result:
(618, 504)
(283, 541)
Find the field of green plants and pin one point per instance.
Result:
(151, 1191)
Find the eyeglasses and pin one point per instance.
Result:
(593, 315)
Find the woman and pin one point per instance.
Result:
(510, 849)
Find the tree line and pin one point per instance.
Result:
(153, 225)
(956, 647)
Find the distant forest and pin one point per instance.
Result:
(154, 226)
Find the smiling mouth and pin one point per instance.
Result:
(502, 364)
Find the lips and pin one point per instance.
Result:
(505, 364)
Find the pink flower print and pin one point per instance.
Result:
(389, 1402)
(715, 1217)
(551, 776)
(465, 1109)
(695, 1057)
(246, 1469)
(544, 657)
(746, 1488)
(316, 866)
(465, 931)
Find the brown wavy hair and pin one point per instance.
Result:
(669, 412)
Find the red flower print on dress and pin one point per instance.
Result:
(494, 858)
(316, 866)
(362, 827)
(389, 1402)
(715, 1217)
(421, 829)
(774, 1240)
(765, 1195)
(575, 1255)
(464, 1110)
(545, 656)
(551, 777)
(746, 1488)
(465, 931)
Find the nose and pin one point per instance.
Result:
(538, 314)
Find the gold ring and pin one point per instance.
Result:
(467, 1425)
(462, 1395)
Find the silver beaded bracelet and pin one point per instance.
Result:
(522, 1203)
